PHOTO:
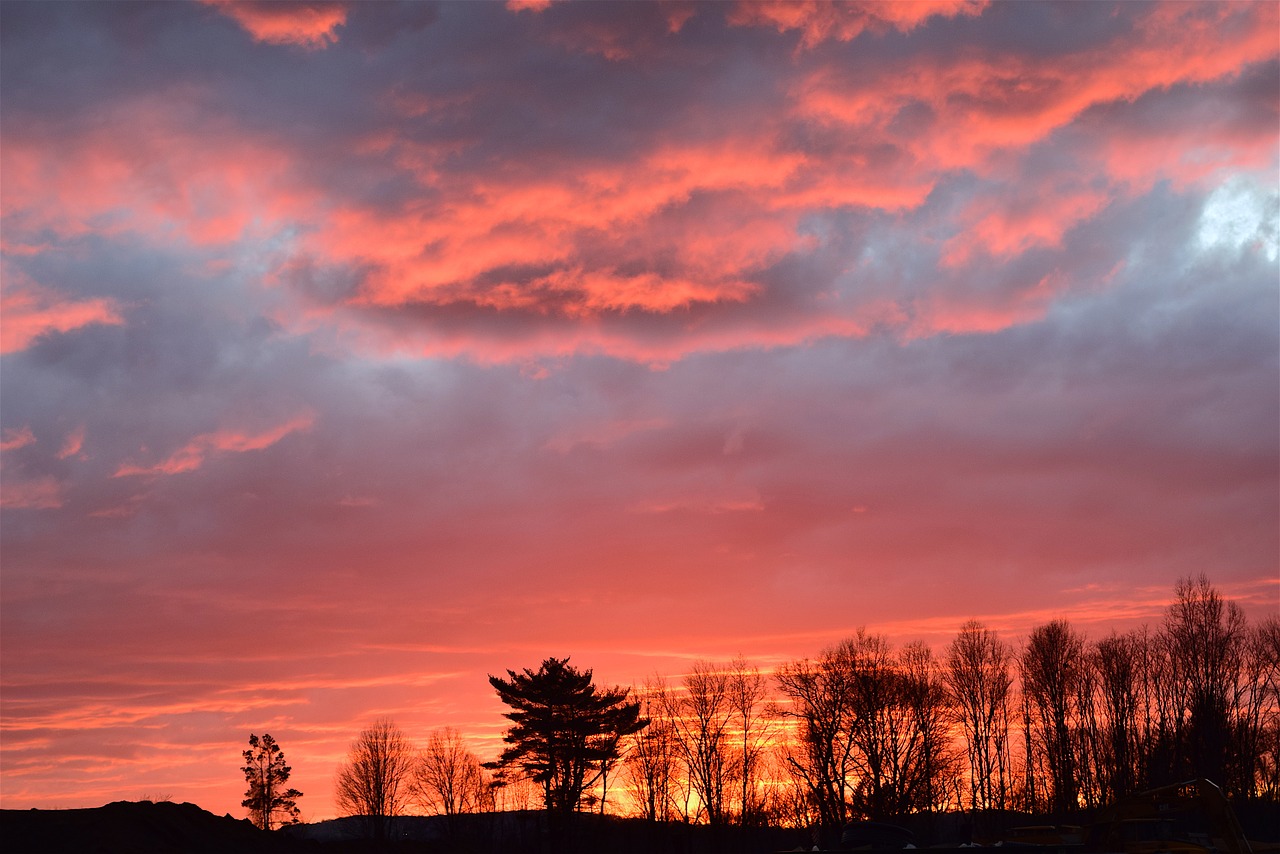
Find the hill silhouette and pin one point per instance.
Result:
(126, 827)
(144, 827)
(166, 828)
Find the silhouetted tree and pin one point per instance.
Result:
(269, 801)
(1052, 668)
(1117, 662)
(448, 778)
(936, 764)
(978, 675)
(651, 761)
(511, 789)
(701, 715)
(872, 738)
(374, 782)
(1260, 719)
(563, 730)
(821, 754)
(1206, 644)
(882, 739)
(748, 695)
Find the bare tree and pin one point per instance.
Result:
(1052, 666)
(374, 781)
(978, 676)
(702, 715)
(821, 754)
(878, 724)
(447, 777)
(1266, 649)
(1206, 643)
(1088, 737)
(1258, 708)
(936, 765)
(748, 697)
(512, 790)
(651, 760)
(1117, 662)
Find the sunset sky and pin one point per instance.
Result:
(355, 351)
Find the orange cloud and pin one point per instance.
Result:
(528, 5)
(819, 21)
(309, 25)
(533, 221)
(983, 104)
(28, 312)
(681, 224)
(192, 455)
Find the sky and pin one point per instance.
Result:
(352, 352)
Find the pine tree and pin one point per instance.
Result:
(269, 802)
(564, 732)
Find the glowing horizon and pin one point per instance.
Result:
(352, 352)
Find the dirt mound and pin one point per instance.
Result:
(125, 827)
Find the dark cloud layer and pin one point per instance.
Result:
(354, 351)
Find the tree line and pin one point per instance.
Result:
(866, 729)
(1055, 724)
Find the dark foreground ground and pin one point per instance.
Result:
(168, 828)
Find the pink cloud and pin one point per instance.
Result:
(43, 493)
(819, 21)
(157, 170)
(18, 437)
(29, 312)
(72, 444)
(684, 223)
(193, 455)
(1008, 224)
(306, 24)
(983, 104)
(957, 314)
(528, 5)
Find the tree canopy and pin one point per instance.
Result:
(564, 731)
(269, 802)
(374, 781)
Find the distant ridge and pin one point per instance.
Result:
(126, 827)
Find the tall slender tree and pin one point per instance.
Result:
(1052, 666)
(818, 696)
(748, 693)
(936, 765)
(651, 761)
(1206, 636)
(702, 713)
(564, 731)
(978, 676)
(269, 800)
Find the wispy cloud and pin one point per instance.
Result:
(192, 455)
